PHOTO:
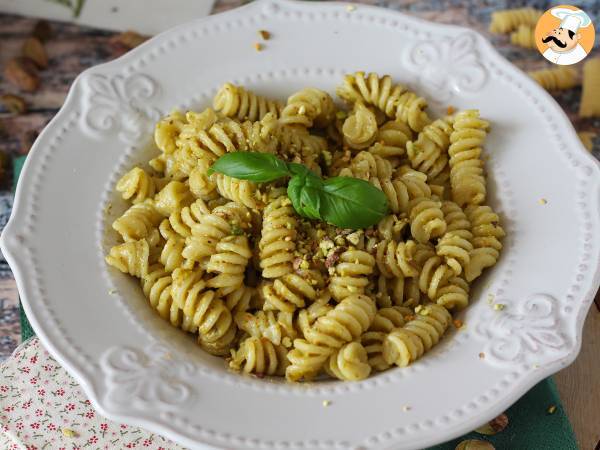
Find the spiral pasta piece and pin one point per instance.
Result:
(397, 291)
(229, 264)
(434, 275)
(393, 99)
(389, 318)
(523, 36)
(306, 360)
(287, 293)
(394, 259)
(367, 166)
(167, 131)
(138, 221)
(202, 311)
(172, 197)
(428, 153)
(556, 79)
(241, 191)
(185, 218)
(391, 226)
(401, 190)
(136, 185)
(171, 255)
(212, 228)
(308, 316)
(590, 103)
(227, 135)
(391, 140)
(276, 327)
(238, 301)
(296, 144)
(455, 246)
(237, 102)
(351, 274)
(372, 341)
(277, 240)
(259, 356)
(487, 232)
(349, 363)
(130, 257)
(156, 285)
(466, 166)
(200, 184)
(309, 107)
(454, 295)
(407, 344)
(426, 219)
(510, 19)
(360, 128)
(346, 322)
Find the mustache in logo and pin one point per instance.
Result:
(556, 41)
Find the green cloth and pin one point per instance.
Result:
(26, 330)
(530, 427)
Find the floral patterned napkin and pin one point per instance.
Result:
(42, 407)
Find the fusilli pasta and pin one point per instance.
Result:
(393, 99)
(556, 79)
(407, 344)
(509, 19)
(466, 166)
(590, 94)
(232, 262)
(236, 102)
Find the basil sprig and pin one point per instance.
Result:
(342, 201)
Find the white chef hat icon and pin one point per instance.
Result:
(571, 20)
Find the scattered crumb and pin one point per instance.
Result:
(536, 366)
(542, 201)
(264, 34)
(112, 292)
(350, 8)
(481, 355)
(67, 432)
(406, 408)
(499, 306)
(552, 409)
(450, 110)
(457, 323)
(258, 47)
(490, 298)
(326, 403)
(108, 208)
(418, 308)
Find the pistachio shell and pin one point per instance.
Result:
(494, 426)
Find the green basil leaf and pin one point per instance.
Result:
(352, 203)
(304, 190)
(253, 166)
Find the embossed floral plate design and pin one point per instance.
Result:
(138, 370)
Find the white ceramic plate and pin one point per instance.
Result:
(138, 370)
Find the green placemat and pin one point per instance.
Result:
(530, 427)
(26, 330)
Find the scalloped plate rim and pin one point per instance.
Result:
(10, 245)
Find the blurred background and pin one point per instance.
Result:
(45, 44)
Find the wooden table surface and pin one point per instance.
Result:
(74, 48)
